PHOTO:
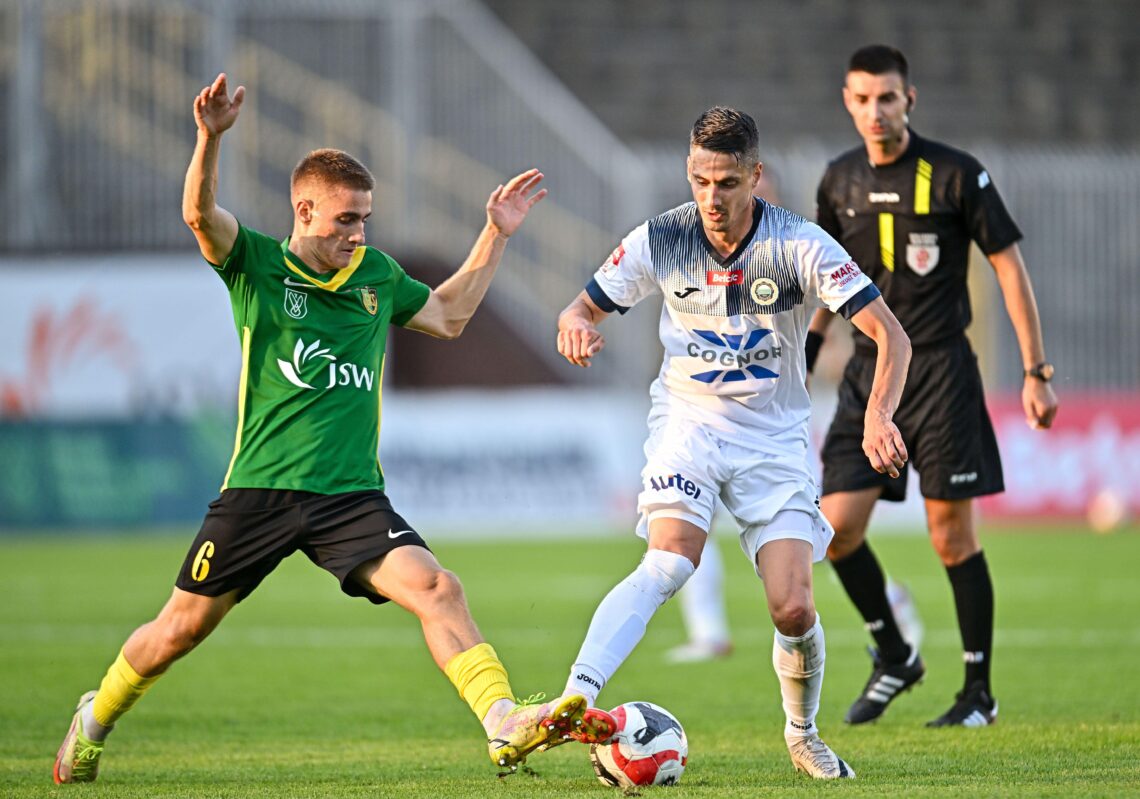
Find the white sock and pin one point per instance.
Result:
(620, 620)
(702, 599)
(92, 729)
(799, 665)
(496, 714)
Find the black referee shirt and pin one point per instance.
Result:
(909, 224)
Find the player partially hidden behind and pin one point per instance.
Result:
(907, 208)
(313, 313)
(730, 411)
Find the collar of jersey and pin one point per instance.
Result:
(757, 212)
(339, 278)
(909, 154)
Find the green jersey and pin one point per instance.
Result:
(312, 348)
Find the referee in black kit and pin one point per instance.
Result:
(906, 208)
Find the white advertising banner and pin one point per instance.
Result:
(521, 462)
(115, 336)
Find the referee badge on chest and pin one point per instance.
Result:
(368, 297)
(922, 252)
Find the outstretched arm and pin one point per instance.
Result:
(578, 336)
(1037, 397)
(452, 303)
(882, 441)
(215, 228)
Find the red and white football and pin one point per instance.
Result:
(649, 748)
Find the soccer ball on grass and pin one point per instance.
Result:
(649, 748)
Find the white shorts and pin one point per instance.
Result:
(771, 496)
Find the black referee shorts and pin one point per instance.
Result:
(248, 531)
(943, 421)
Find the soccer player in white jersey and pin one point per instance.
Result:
(729, 419)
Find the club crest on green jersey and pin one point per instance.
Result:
(296, 303)
(368, 297)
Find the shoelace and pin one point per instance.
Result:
(533, 699)
(89, 752)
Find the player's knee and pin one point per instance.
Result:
(953, 542)
(793, 616)
(844, 543)
(952, 551)
(441, 588)
(668, 570)
(843, 546)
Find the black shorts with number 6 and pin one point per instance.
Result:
(248, 531)
(943, 420)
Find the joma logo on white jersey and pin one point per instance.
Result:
(338, 374)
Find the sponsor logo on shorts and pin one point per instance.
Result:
(677, 481)
(964, 477)
(397, 535)
(883, 197)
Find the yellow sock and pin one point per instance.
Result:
(479, 677)
(120, 689)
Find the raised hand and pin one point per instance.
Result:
(214, 110)
(508, 205)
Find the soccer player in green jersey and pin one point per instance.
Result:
(312, 314)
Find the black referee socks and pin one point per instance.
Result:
(862, 578)
(974, 600)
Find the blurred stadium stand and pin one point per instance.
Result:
(1043, 71)
(438, 98)
(445, 98)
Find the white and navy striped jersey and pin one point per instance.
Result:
(734, 328)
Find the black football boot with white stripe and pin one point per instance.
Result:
(887, 681)
(974, 707)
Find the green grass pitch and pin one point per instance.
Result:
(303, 692)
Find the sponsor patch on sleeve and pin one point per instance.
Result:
(845, 275)
(614, 261)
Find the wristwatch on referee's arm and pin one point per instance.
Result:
(1042, 371)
